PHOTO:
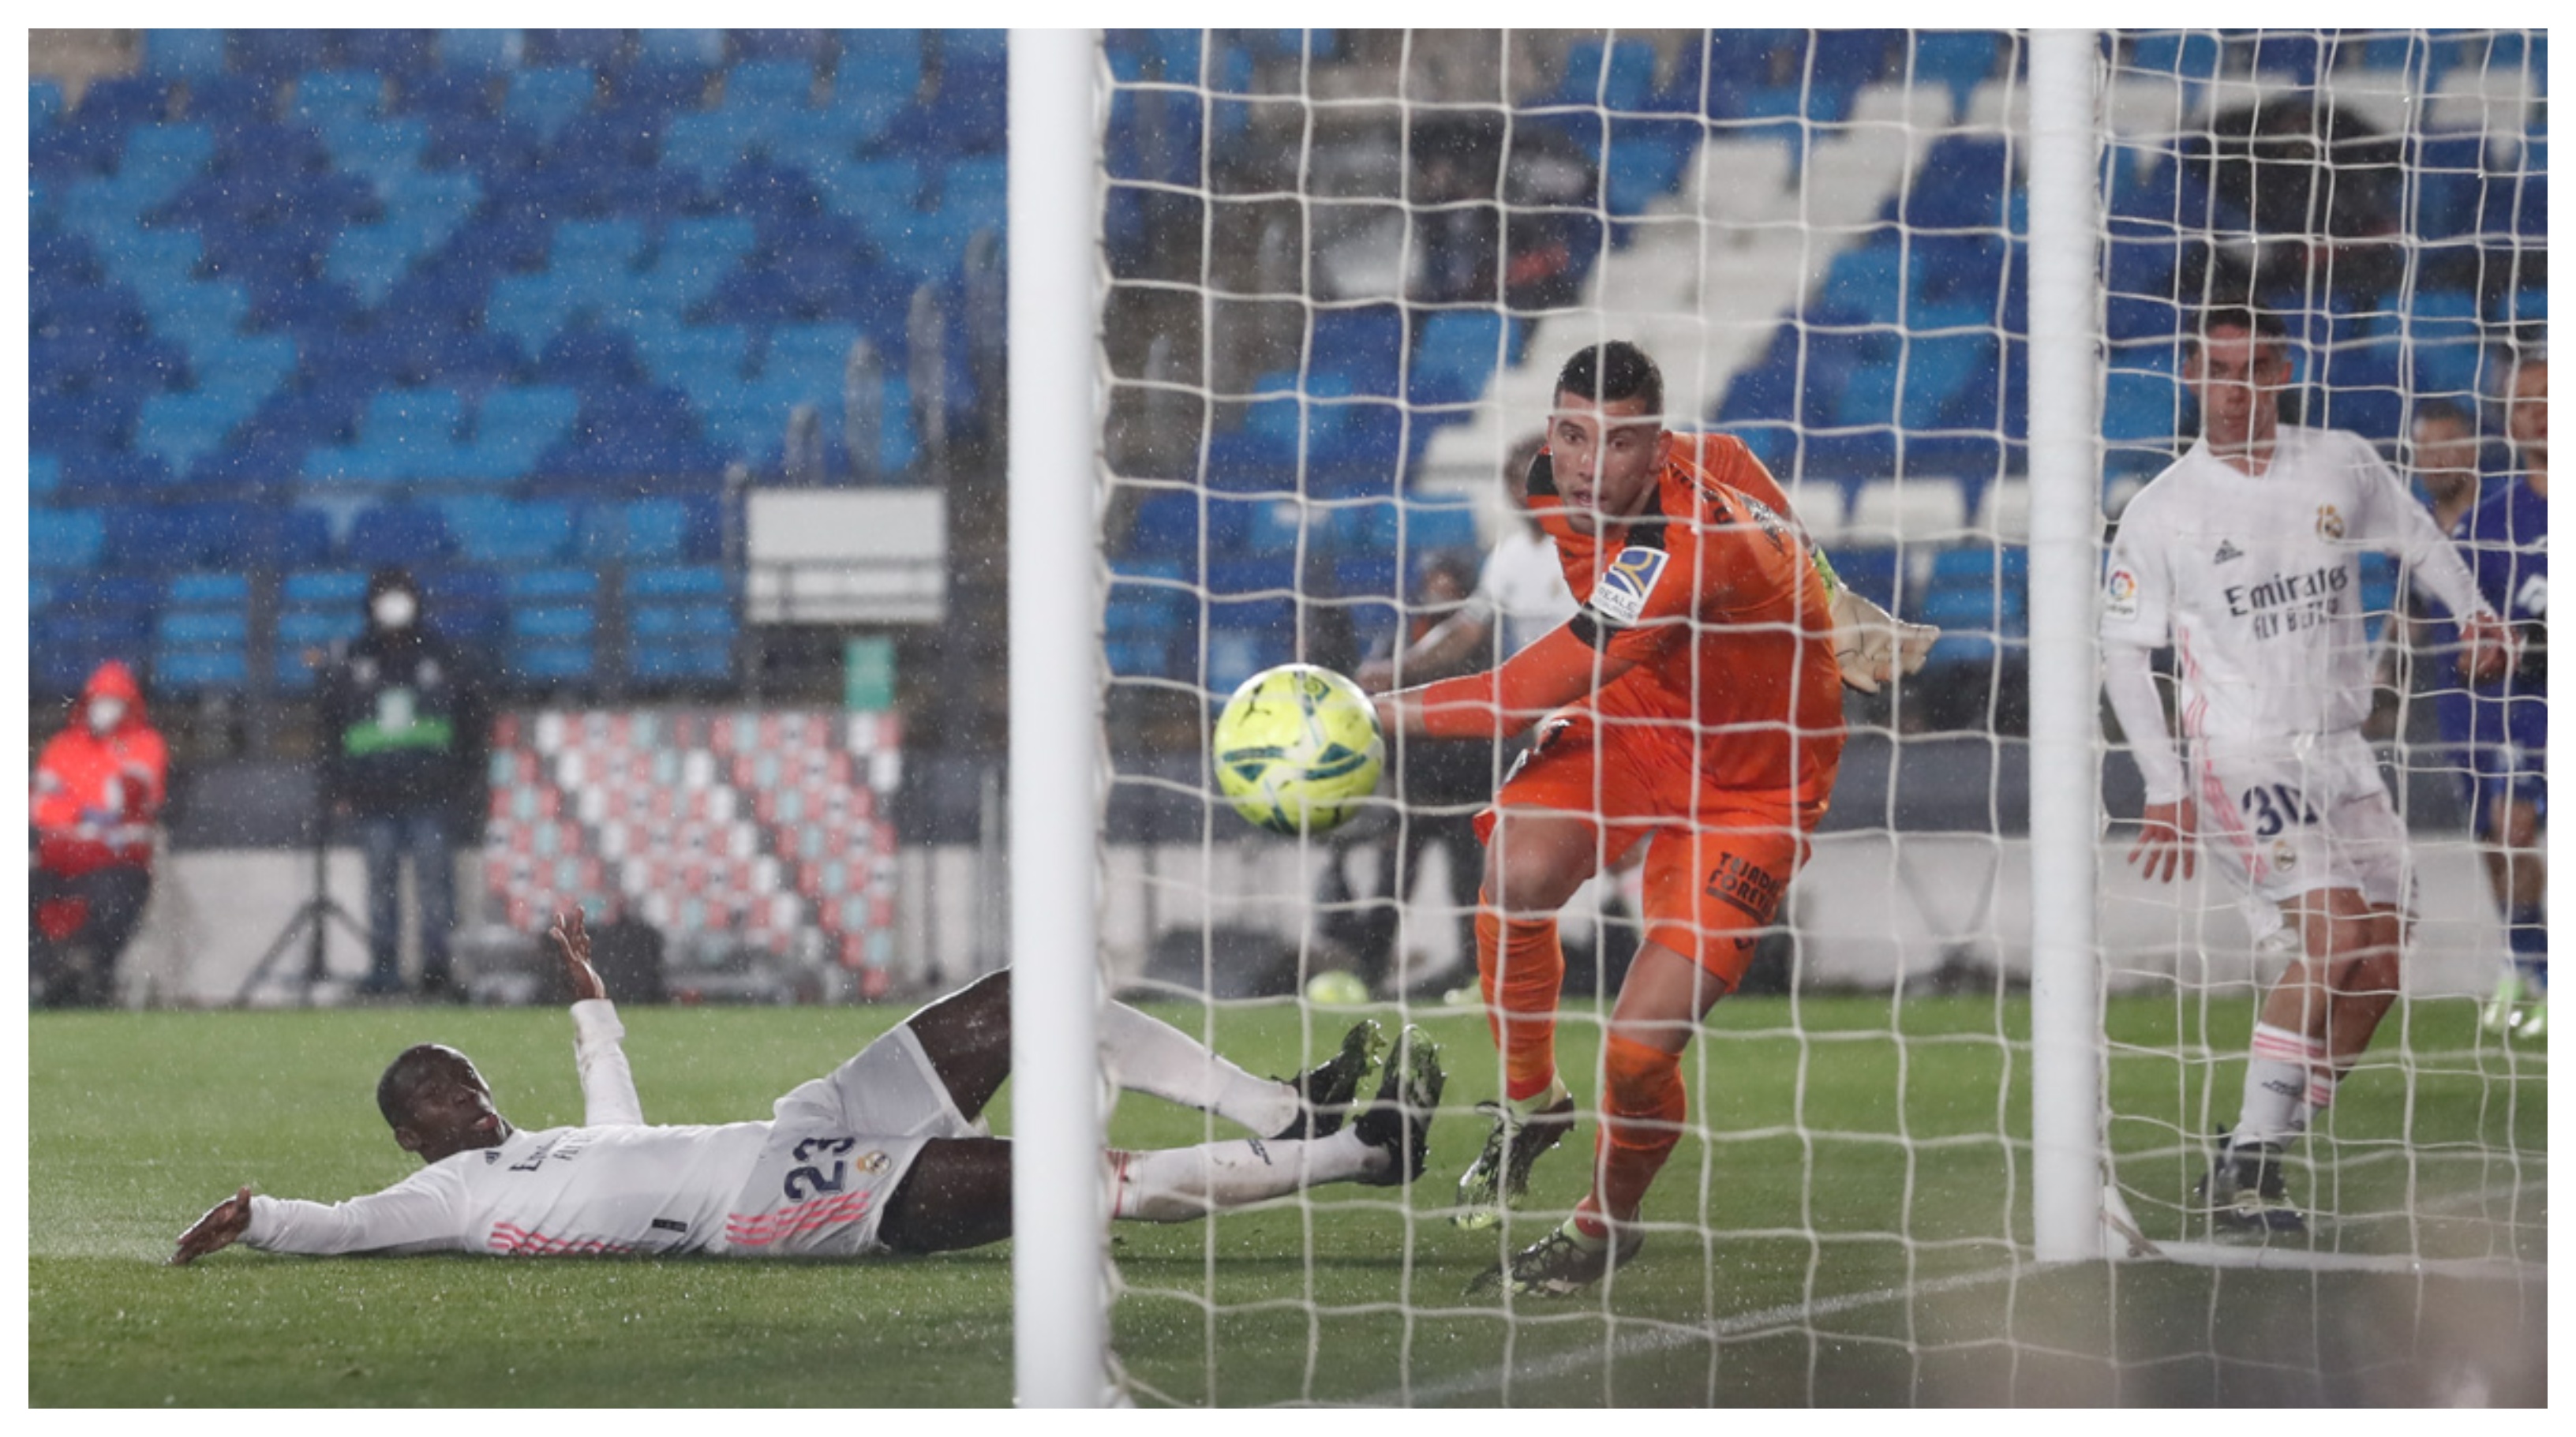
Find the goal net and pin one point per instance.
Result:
(1342, 269)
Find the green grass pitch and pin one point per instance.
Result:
(1848, 1229)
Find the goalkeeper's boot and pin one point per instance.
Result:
(1398, 1121)
(2243, 1191)
(1500, 1177)
(1325, 1091)
(2503, 1010)
(2535, 1023)
(1564, 1262)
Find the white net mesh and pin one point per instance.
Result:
(1345, 267)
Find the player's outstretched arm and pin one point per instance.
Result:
(221, 1227)
(572, 944)
(1498, 703)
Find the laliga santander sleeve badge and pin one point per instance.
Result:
(1620, 596)
(2121, 595)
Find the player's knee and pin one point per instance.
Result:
(1640, 1080)
(957, 1195)
(1529, 884)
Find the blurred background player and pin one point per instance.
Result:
(1693, 704)
(888, 1153)
(95, 797)
(1441, 781)
(2244, 555)
(2508, 779)
(2445, 455)
(1520, 594)
(403, 724)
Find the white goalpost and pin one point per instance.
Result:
(1059, 1189)
(2068, 1180)
(1288, 305)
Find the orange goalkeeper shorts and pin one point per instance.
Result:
(1718, 860)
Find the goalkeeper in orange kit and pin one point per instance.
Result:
(1694, 704)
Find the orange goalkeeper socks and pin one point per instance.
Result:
(1641, 1123)
(1521, 966)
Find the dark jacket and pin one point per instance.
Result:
(404, 721)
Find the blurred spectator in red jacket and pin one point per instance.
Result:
(96, 796)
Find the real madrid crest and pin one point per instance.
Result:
(2329, 522)
(2284, 856)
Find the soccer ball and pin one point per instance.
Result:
(1297, 748)
(1336, 988)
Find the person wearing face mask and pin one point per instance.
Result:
(97, 792)
(402, 724)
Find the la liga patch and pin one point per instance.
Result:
(2120, 594)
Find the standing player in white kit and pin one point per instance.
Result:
(884, 1154)
(2243, 553)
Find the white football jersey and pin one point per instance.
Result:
(1522, 589)
(2255, 580)
(614, 1185)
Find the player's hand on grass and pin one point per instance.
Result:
(572, 944)
(2168, 836)
(1873, 646)
(2488, 649)
(221, 1227)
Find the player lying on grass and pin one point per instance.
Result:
(884, 1154)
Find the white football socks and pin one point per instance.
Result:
(1184, 1184)
(2282, 1086)
(1145, 1055)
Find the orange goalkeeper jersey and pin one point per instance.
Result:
(1713, 594)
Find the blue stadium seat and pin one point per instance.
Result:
(1959, 59)
(1457, 352)
(675, 48)
(327, 97)
(399, 534)
(388, 52)
(277, 55)
(2141, 404)
(505, 532)
(547, 97)
(685, 581)
(552, 623)
(466, 606)
(532, 417)
(183, 54)
(481, 50)
(2192, 55)
(1961, 183)
(67, 541)
(755, 86)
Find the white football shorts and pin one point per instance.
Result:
(841, 1145)
(2300, 815)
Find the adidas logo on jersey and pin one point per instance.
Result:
(2226, 550)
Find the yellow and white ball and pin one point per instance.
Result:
(1297, 748)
